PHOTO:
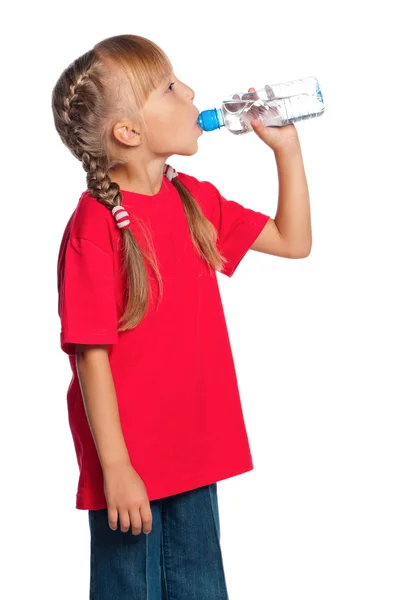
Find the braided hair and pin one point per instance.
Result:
(83, 107)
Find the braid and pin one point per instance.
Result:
(79, 75)
(99, 183)
(67, 103)
(72, 95)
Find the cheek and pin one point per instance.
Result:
(165, 132)
(160, 135)
(160, 126)
(159, 116)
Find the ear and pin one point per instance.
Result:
(126, 133)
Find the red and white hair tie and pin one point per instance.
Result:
(169, 172)
(121, 216)
(120, 213)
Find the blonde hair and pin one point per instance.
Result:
(111, 81)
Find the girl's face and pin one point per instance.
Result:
(171, 119)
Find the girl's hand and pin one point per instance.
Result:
(275, 137)
(127, 498)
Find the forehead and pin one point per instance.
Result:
(164, 81)
(159, 90)
(169, 74)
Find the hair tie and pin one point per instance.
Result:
(120, 215)
(169, 172)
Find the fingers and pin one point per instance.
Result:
(249, 95)
(139, 518)
(125, 516)
(146, 516)
(237, 106)
(135, 519)
(112, 518)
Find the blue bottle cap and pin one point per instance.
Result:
(211, 119)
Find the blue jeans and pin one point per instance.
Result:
(180, 559)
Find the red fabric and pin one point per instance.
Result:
(174, 374)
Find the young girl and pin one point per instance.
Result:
(153, 403)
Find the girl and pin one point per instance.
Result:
(153, 403)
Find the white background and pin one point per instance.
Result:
(314, 340)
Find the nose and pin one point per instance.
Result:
(191, 93)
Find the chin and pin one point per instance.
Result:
(190, 151)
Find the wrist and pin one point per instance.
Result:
(290, 147)
(116, 464)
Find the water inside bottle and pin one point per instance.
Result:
(274, 105)
(238, 114)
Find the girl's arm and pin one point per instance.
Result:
(99, 396)
(125, 492)
(289, 235)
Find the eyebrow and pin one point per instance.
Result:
(167, 78)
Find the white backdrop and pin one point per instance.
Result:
(314, 340)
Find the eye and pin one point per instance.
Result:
(171, 84)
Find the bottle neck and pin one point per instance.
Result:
(220, 117)
(211, 119)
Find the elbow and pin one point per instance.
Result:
(303, 252)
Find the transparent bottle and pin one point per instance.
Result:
(274, 105)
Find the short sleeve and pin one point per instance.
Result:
(87, 301)
(237, 226)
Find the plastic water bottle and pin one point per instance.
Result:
(274, 105)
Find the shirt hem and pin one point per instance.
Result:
(246, 242)
(69, 339)
(83, 502)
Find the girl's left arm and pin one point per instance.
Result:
(289, 235)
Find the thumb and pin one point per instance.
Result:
(257, 126)
(265, 134)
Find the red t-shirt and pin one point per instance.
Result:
(174, 374)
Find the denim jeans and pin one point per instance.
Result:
(180, 559)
